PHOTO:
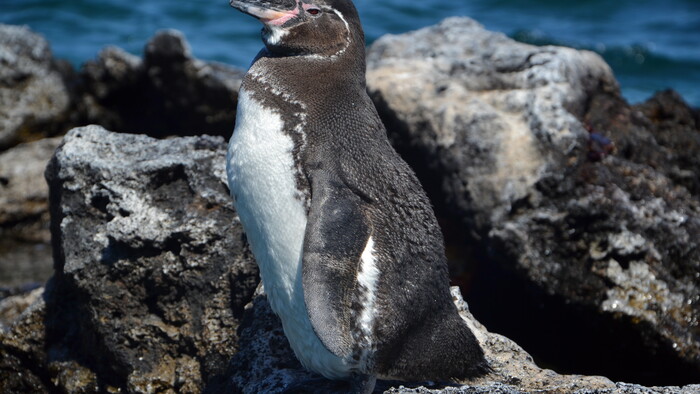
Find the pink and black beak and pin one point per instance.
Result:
(269, 12)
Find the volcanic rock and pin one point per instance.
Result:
(663, 133)
(169, 92)
(152, 271)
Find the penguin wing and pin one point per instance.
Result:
(337, 233)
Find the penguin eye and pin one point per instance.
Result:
(313, 11)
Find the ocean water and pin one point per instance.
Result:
(650, 44)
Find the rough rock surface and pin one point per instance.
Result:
(662, 133)
(34, 98)
(495, 130)
(266, 363)
(167, 93)
(12, 307)
(152, 272)
(25, 252)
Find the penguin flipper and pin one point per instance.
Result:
(336, 234)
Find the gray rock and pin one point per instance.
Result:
(266, 363)
(109, 81)
(169, 92)
(23, 189)
(493, 128)
(25, 252)
(152, 272)
(473, 100)
(33, 95)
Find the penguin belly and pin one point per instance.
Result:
(261, 176)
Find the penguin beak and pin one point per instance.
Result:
(275, 13)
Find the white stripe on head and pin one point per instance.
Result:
(347, 29)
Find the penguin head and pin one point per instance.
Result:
(321, 28)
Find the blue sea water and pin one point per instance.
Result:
(650, 44)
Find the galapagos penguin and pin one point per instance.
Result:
(349, 249)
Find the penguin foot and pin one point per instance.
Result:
(359, 384)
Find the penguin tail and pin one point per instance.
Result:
(464, 356)
(443, 348)
(479, 369)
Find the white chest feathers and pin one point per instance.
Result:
(261, 176)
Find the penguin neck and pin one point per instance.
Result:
(304, 75)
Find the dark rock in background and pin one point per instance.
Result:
(586, 203)
(152, 272)
(34, 97)
(167, 93)
(661, 133)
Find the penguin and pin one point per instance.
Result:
(350, 253)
